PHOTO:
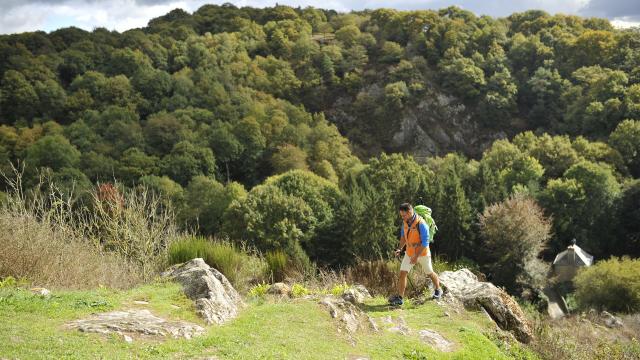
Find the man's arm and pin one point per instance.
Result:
(402, 241)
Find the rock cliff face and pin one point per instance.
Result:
(436, 125)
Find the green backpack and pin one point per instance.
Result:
(425, 213)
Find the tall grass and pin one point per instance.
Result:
(240, 265)
(276, 265)
(105, 236)
(43, 242)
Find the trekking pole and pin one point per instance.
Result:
(409, 273)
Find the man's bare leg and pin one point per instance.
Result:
(435, 280)
(402, 283)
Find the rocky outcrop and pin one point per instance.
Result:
(135, 323)
(215, 298)
(431, 337)
(464, 286)
(438, 124)
(350, 318)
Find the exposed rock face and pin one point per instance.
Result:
(430, 337)
(215, 298)
(464, 285)
(356, 294)
(398, 325)
(136, 322)
(349, 316)
(279, 289)
(436, 340)
(437, 125)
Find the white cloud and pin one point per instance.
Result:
(624, 23)
(48, 15)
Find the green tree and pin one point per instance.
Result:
(52, 151)
(186, 161)
(462, 77)
(206, 200)
(513, 233)
(626, 139)
(391, 52)
(289, 157)
(17, 97)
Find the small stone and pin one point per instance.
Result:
(41, 292)
(127, 338)
(610, 321)
(436, 340)
(140, 302)
(446, 314)
(279, 288)
(356, 294)
(175, 306)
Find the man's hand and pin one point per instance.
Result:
(398, 252)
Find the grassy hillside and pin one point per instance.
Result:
(33, 327)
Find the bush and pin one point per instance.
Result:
(298, 290)
(259, 290)
(132, 223)
(514, 232)
(613, 284)
(339, 289)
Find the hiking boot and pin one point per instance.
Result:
(437, 294)
(396, 300)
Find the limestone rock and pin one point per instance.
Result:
(215, 298)
(279, 289)
(349, 316)
(436, 340)
(609, 320)
(41, 292)
(399, 325)
(464, 285)
(356, 294)
(136, 322)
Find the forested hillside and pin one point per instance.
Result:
(271, 125)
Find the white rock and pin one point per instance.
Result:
(215, 298)
(502, 309)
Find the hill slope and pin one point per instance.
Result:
(33, 327)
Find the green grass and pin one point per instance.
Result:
(32, 328)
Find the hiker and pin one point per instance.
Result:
(414, 234)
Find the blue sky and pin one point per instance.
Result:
(48, 15)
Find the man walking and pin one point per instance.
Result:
(415, 235)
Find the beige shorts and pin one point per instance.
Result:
(424, 261)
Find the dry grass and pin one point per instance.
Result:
(582, 337)
(52, 239)
(39, 244)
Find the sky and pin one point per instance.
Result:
(121, 15)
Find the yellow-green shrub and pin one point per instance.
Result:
(613, 284)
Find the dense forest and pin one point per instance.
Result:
(279, 126)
